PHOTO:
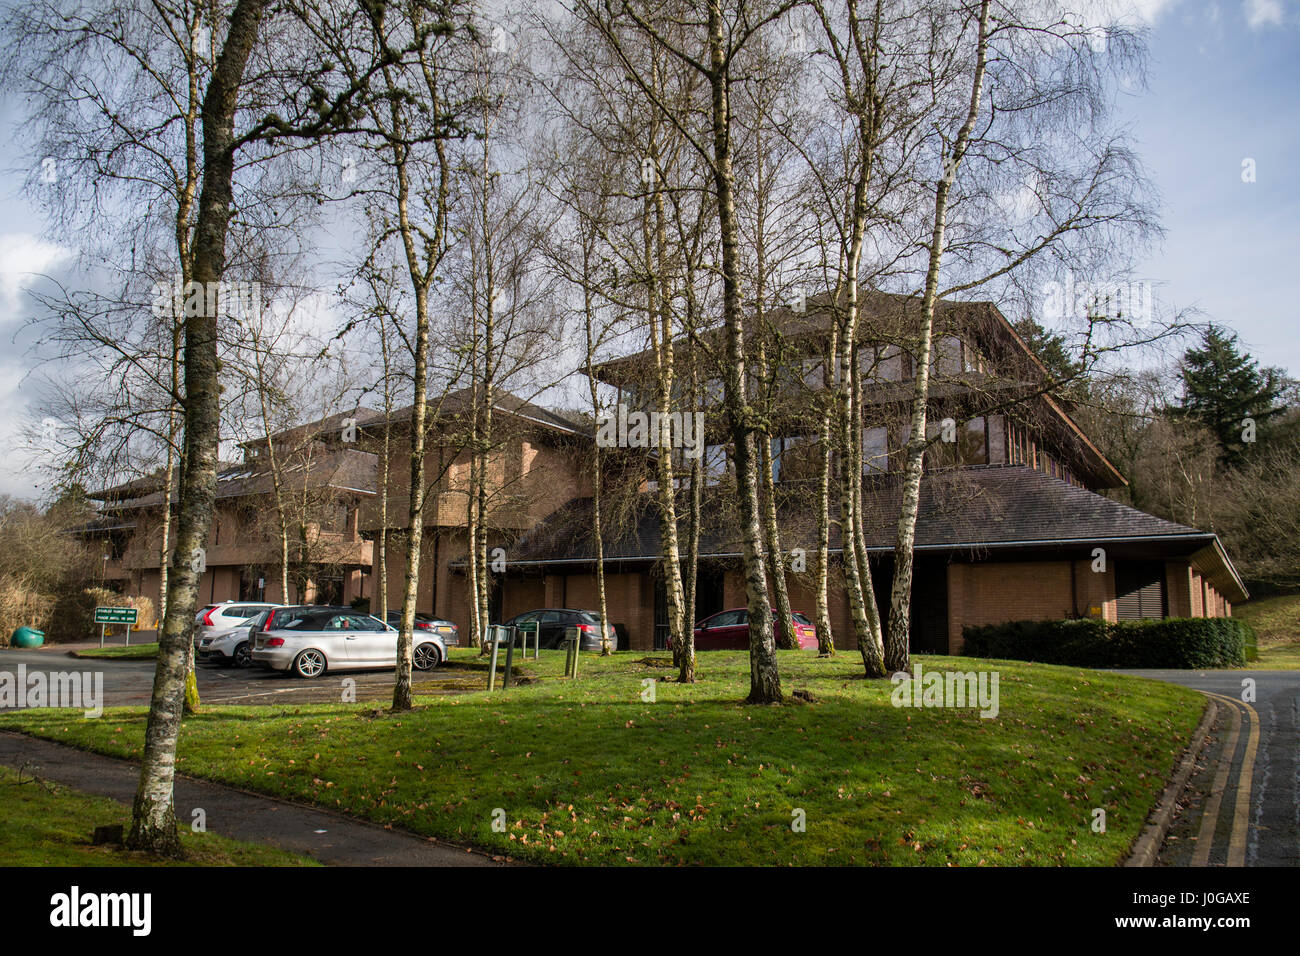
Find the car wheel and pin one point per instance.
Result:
(243, 656)
(309, 664)
(427, 657)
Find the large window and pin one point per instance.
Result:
(973, 439)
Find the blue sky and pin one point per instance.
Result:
(1222, 89)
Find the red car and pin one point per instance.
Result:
(729, 630)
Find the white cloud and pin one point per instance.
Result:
(1128, 12)
(23, 257)
(1263, 13)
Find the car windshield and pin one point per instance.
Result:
(588, 617)
(800, 619)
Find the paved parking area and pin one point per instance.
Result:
(129, 683)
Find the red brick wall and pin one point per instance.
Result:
(994, 593)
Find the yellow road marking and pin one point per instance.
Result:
(1245, 782)
(1210, 818)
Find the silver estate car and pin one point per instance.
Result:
(312, 641)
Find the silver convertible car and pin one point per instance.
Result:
(311, 641)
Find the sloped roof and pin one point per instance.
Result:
(343, 469)
(972, 509)
(460, 401)
(299, 434)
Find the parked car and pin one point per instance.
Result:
(232, 646)
(554, 622)
(211, 619)
(449, 632)
(729, 630)
(312, 640)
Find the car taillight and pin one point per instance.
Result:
(586, 628)
(207, 618)
(275, 642)
(423, 626)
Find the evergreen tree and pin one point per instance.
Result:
(1053, 351)
(1225, 389)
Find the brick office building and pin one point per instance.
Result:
(1011, 525)
(323, 478)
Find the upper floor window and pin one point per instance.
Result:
(947, 356)
(715, 463)
(875, 450)
(792, 457)
(884, 363)
(957, 443)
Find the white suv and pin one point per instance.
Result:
(212, 619)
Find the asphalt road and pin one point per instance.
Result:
(130, 683)
(1242, 806)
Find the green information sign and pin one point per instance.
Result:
(116, 615)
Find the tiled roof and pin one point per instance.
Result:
(964, 508)
(341, 469)
(458, 402)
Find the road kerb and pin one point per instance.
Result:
(1147, 845)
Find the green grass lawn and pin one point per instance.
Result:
(46, 824)
(1276, 621)
(132, 652)
(587, 771)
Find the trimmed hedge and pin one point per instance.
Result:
(1184, 642)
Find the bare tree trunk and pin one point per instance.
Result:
(592, 341)
(686, 653)
(476, 624)
(897, 647)
(415, 513)
(857, 573)
(764, 676)
(153, 817)
(825, 639)
(381, 586)
(659, 314)
(785, 634)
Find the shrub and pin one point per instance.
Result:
(1172, 642)
(19, 605)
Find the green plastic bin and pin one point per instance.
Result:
(27, 637)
